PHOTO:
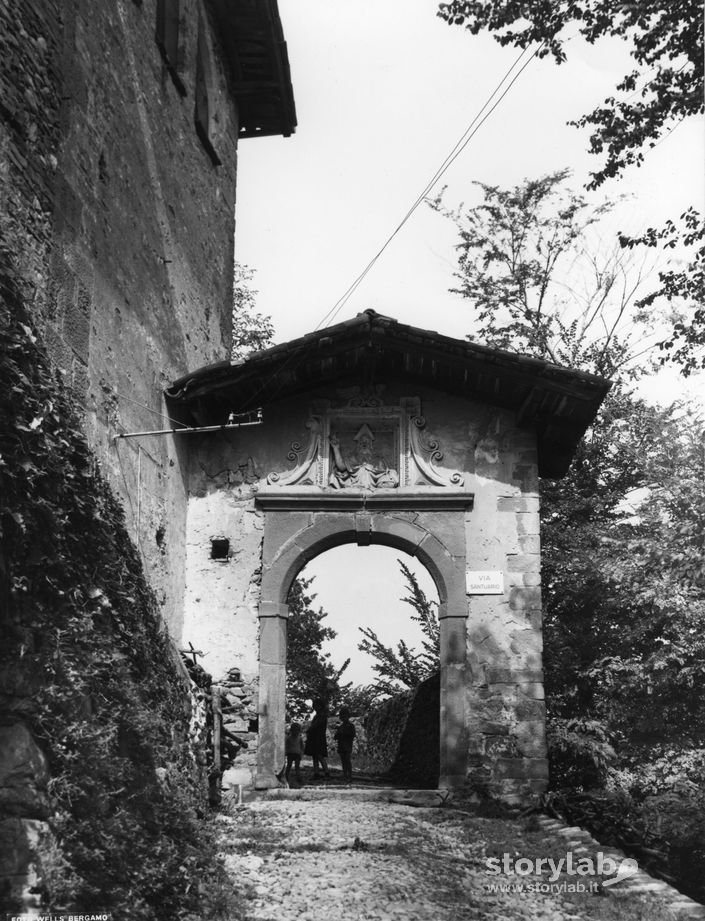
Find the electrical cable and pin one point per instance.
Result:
(472, 129)
(478, 120)
(154, 412)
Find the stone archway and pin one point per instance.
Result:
(377, 432)
(299, 528)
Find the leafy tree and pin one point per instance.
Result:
(656, 681)
(361, 698)
(541, 281)
(404, 667)
(686, 344)
(623, 585)
(252, 331)
(665, 41)
(665, 86)
(310, 672)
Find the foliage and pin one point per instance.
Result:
(580, 753)
(400, 736)
(404, 666)
(90, 667)
(383, 729)
(623, 588)
(615, 820)
(665, 832)
(360, 699)
(310, 673)
(621, 533)
(686, 343)
(624, 584)
(660, 769)
(665, 40)
(666, 786)
(540, 283)
(252, 331)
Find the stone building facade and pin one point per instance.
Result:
(120, 122)
(119, 128)
(375, 432)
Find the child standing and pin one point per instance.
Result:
(345, 736)
(294, 749)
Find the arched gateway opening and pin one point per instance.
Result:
(289, 543)
(373, 432)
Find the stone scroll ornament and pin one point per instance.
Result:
(362, 464)
(425, 454)
(306, 458)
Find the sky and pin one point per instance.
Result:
(383, 92)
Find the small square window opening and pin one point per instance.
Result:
(220, 548)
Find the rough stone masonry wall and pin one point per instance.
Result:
(123, 227)
(30, 94)
(239, 708)
(103, 188)
(505, 702)
(145, 242)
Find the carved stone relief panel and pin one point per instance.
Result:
(359, 443)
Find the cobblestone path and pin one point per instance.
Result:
(330, 856)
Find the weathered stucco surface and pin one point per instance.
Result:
(492, 710)
(222, 595)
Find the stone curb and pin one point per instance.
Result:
(364, 794)
(402, 797)
(641, 883)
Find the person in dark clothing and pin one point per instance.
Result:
(316, 741)
(345, 736)
(294, 750)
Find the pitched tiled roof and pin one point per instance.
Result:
(558, 402)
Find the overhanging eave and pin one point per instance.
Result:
(558, 403)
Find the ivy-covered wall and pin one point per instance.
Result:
(116, 238)
(101, 786)
(401, 737)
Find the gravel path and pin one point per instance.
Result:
(330, 856)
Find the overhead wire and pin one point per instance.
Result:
(476, 123)
(472, 129)
(154, 412)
